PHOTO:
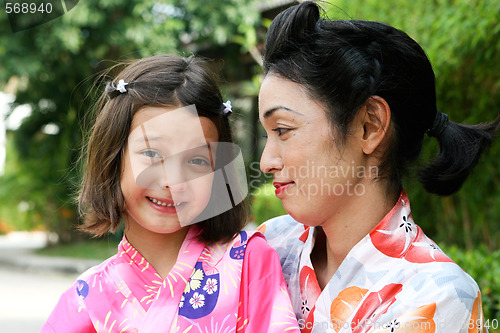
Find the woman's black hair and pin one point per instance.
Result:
(343, 63)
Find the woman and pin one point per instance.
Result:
(346, 105)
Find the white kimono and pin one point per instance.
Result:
(394, 280)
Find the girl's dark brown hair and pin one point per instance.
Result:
(162, 80)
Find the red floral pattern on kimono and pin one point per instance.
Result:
(233, 287)
(395, 279)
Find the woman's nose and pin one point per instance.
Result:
(270, 160)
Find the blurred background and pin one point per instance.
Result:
(49, 80)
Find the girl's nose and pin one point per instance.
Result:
(172, 177)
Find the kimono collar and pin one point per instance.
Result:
(392, 236)
(397, 231)
(133, 256)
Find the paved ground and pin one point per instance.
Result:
(27, 298)
(30, 285)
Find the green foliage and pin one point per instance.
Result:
(265, 204)
(484, 267)
(462, 40)
(99, 249)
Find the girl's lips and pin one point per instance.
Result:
(281, 187)
(166, 205)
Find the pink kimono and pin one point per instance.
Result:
(233, 287)
(394, 280)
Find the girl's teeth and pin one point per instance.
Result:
(158, 202)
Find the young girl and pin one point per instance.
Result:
(160, 157)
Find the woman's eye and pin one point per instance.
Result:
(151, 153)
(280, 130)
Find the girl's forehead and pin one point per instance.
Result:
(171, 124)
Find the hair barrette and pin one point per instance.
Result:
(121, 86)
(228, 108)
(114, 90)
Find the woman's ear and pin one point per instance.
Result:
(375, 121)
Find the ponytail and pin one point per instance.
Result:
(460, 147)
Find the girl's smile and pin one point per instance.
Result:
(167, 206)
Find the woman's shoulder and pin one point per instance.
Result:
(283, 226)
(286, 236)
(450, 279)
(257, 244)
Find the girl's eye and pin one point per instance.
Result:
(199, 161)
(151, 153)
(280, 130)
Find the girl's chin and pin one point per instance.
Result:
(167, 230)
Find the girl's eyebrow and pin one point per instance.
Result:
(147, 137)
(269, 112)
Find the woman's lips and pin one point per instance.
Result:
(281, 187)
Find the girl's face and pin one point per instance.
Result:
(313, 179)
(167, 168)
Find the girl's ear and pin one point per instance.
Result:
(375, 120)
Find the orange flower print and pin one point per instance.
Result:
(476, 322)
(405, 239)
(309, 293)
(344, 304)
(307, 326)
(374, 305)
(424, 250)
(419, 321)
(305, 234)
(309, 289)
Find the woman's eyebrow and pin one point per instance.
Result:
(269, 112)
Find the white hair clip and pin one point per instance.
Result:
(121, 86)
(227, 108)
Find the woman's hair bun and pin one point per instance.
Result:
(290, 30)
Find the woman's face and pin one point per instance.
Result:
(313, 179)
(167, 170)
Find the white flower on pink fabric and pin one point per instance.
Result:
(211, 286)
(197, 301)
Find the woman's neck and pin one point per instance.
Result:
(160, 250)
(343, 231)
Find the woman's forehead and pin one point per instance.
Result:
(278, 95)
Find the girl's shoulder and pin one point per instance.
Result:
(246, 246)
(95, 271)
